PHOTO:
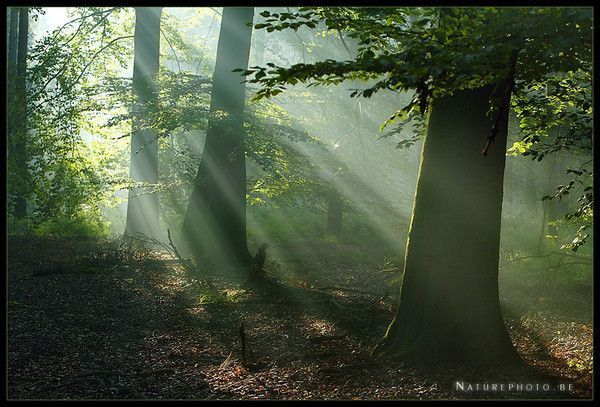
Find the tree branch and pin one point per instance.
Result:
(505, 104)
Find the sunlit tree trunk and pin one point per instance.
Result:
(259, 43)
(335, 209)
(449, 309)
(142, 204)
(215, 220)
(21, 113)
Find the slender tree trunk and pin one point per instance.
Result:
(11, 72)
(21, 113)
(549, 205)
(334, 215)
(12, 41)
(215, 220)
(555, 206)
(449, 308)
(142, 205)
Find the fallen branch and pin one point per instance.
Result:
(145, 241)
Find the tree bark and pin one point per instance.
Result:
(215, 220)
(449, 308)
(142, 205)
(21, 112)
(12, 41)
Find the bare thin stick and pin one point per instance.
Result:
(173, 246)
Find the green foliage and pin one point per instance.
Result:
(279, 172)
(65, 183)
(82, 224)
(284, 174)
(583, 215)
(436, 52)
(79, 103)
(555, 114)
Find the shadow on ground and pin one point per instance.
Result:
(86, 324)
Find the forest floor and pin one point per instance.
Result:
(86, 321)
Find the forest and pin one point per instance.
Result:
(330, 203)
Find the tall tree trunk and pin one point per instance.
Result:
(555, 207)
(21, 113)
(449, 308)
(12, 41)
(549, 205)
(215, 220)
(11, 73)
(259, 44)
(142, 205)
(334, 215)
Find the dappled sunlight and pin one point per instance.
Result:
(318, 327)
